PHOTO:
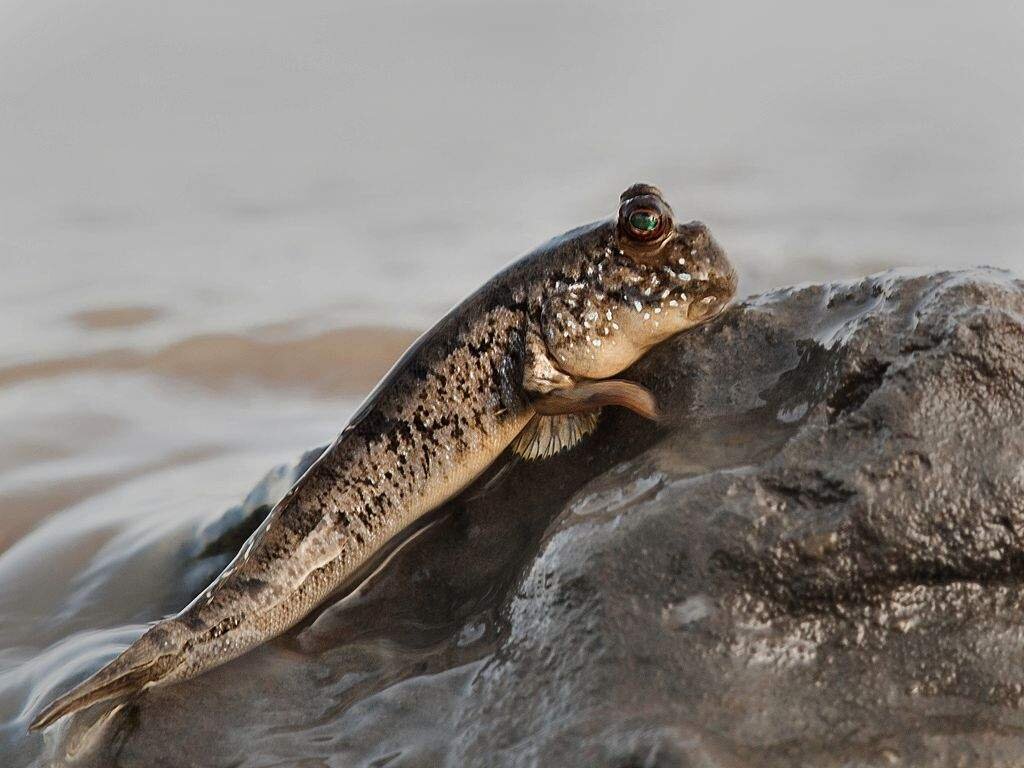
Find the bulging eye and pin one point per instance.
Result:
(644, 218)
(644, 221)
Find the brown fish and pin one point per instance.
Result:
(523, 362)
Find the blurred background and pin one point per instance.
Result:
(220, 222)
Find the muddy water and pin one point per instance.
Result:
(220, 224)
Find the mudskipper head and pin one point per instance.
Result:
(681, 254)
(646, 277)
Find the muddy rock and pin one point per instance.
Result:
(815, 560)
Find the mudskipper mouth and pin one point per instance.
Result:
(706, 308)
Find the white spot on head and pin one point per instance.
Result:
(647, 315)
(638, 305)
(685, 277)
(615, 326)
(693, 251)
(657, 310)
(596, 342)
(608, 314)
(673, 303)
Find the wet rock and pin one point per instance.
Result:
(816, 560)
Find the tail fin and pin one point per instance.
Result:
(147, 661)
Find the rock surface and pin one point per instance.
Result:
(816, 560)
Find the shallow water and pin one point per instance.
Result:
(219, 224)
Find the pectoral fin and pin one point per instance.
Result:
(593, 395)
(566, 416)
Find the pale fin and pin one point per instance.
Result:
(497, 478)
(545, 436)
(592, 395)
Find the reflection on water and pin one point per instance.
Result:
(221, 225)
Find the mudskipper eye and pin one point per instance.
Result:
(644, 218)
(644, 222)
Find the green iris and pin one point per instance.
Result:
(644, 221)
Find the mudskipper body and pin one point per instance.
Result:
(525, 362)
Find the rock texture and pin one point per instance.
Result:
(816, 560)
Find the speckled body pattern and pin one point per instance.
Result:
(578, 308)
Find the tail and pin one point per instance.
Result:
(148, 661)
(265, 590)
